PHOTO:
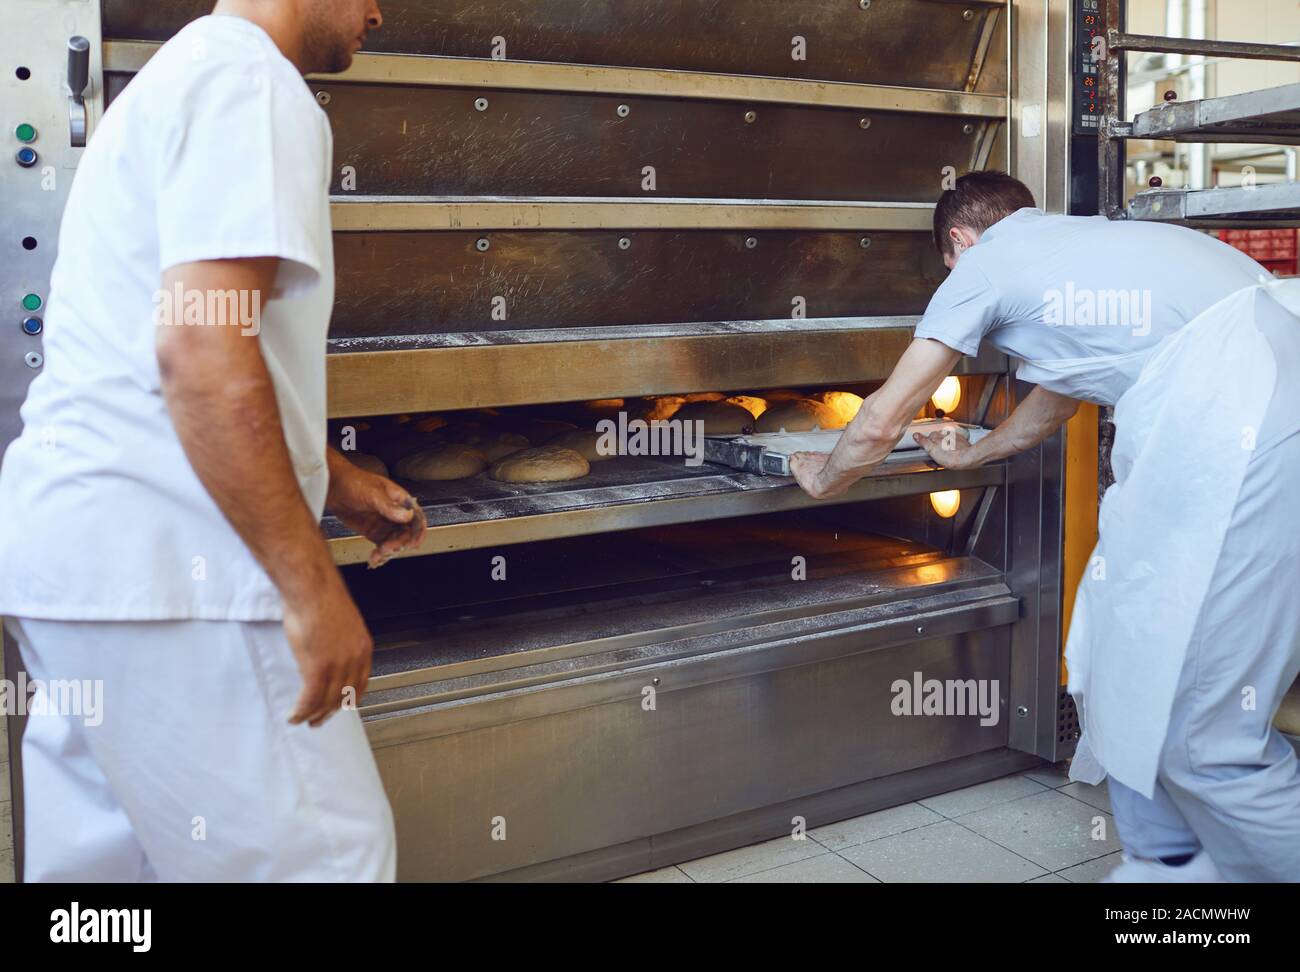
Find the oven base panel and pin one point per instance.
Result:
(592, 784)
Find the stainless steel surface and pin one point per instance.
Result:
(476, 371)
(1266, 204)
(1268, 116)
(478, 513)
(407, 70)
(35, 39)
(406, 213)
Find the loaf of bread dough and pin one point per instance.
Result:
(846, 404)
(502, 444)
(719, 418)
(658, 409)
(754, 406)
(802, 415)
(582, 441)
(451, 461)
(544, 464)
(367, 462)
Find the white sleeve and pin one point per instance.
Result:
(243, 173)
(962, 310)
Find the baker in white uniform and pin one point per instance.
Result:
(1185, 634)
(159, 514)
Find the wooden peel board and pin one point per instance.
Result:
(769, 452)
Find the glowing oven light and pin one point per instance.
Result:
(948, 395)
(947, 503)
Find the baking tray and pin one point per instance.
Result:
(768, 453)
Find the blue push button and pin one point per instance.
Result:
(26, 157)
(32, 325)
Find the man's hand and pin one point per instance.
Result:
(808, 469)
(332, 647)
(377, 508)
(949, 448)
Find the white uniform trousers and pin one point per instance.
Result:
(1227, 781)
(190, 771)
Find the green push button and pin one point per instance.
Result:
(26, 132)
(32, 302)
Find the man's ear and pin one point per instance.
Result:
(962, 237)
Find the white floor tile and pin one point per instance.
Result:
(826, 869)
(665, 875)
(872, 826)
(750, 860)
(1050, 829)
(983, 795)
(941, 852)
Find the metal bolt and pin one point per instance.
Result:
(655, 680)
(920, 629)
(34, 359)
(622, 111)
(323, 97)
(482, 244)
(864, 242)
(751, 117)
(967, 129)
(624, 243)
(750, 243)
(864, 4)
(968, 15)
(864, 123)
(480, 104)
(1022, 711)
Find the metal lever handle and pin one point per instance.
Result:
(78, 78)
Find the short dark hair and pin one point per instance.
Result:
(978, 200)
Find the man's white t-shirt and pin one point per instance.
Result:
(217, 149)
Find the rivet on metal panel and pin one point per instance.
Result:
(750, 243)
(482, 244)
(480, 104)
(623, 111)
(1022, 711)
(920, 629)
(624, 243)
(968, 129)
(34, 359)
(864, 242)
(751, 117)
(968, 15)
(864, 4)
(864, 123)
(655, 680)
(323, 97)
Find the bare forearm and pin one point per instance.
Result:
(230, 431)
(1033, 420)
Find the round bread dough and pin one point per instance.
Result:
(450, 461)
(754, 406)
(368, 462)
(719, 418)
(583, 441)
(502, 444)
(693, 397)
(658, 409)
(846, 404)
(545, 464)
(803, 415)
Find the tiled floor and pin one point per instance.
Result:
(1035, 826)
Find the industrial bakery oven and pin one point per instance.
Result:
(546, 211)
